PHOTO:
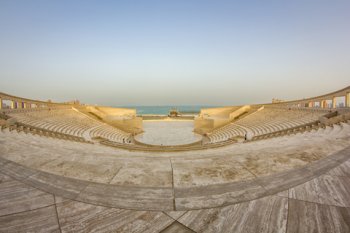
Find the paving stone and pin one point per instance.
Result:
(285, 180)
(312, 217)
(324, 190)
(189, 172)
(81, 168)
(322, 166)
(175, 214)
(80, 217)
(38, 220)
(341, 170)
(283, 194)
(177, 227)
(145, 172)
(17, 171)
(145, 198)
(217, 195)
(263, 215)
(4, 178)
(58, 185)
(18, 197)
(3, 161)
(341, 156)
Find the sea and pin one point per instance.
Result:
(164, 110)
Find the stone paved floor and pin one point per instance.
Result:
(171, 132)
(241, 161)
(297, 183)
(315, 206)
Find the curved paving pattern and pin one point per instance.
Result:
(49, 185)
(167, 199)
(319, 205)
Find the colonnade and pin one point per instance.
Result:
(14, 102)
(325, 101)
(333, 102)
(19, 104)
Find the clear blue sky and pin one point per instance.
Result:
(173, 52)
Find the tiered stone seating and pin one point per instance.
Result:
(69, 122)
(108, 132)
(21, 127)
(157, 148)
(73, 125)
(38, 171)
(64, 121)
(266, 121)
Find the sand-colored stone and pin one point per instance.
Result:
(287, 183)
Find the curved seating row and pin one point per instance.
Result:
(69, 122)
(20, 127)
(266, 121)
(177, 148)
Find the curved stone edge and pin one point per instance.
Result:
(166, 199)
(135, 198)
(227, 194)
(167, 149)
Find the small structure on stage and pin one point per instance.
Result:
(174, 113)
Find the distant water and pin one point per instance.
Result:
(164, 110)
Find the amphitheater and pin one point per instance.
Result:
(275, 167)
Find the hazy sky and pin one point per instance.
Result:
(173, 52)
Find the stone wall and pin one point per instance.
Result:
(123, 118)
(213, 118)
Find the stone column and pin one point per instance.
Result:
(0, 103)
(347, 100)
(334, 102)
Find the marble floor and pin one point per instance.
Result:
(297, 183)
(319, 205)
(168, 133)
